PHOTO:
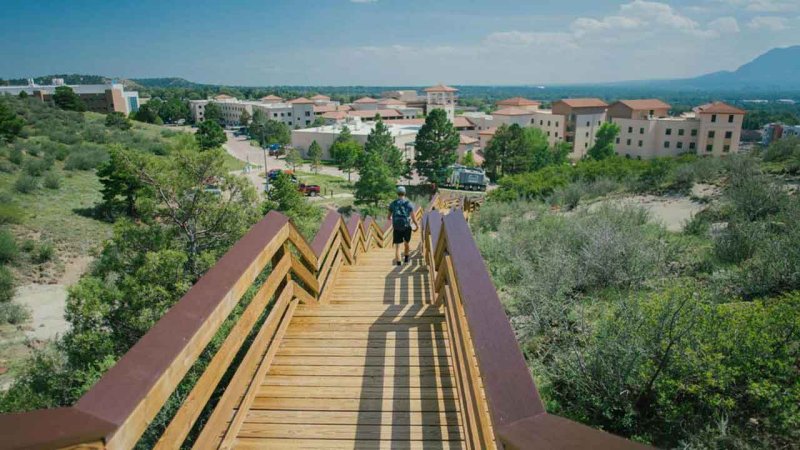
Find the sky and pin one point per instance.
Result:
(391, 42)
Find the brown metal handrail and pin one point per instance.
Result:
(117, 410)
(500, 404)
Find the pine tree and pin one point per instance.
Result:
(604, 141)
(376, 181)
(346, 151)
(315, 155)
(436, 146)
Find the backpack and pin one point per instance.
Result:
(401, 220)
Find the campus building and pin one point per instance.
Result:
(100, 98)
(403, 134)
(296, 113)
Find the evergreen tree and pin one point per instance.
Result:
(315, 155)
(210, 135)
(293, 158)
(604, 141)
(118, 120)
(23, 95)
(10, 123)
(244, 119)
(213, 113)
(66, 98)
(346, 152)
(436, 145)
(121, 187)
(380, 142)
(469, 159)
(376, 180)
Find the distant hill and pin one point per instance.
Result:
(73, 78)
(777, 69)
(170, 82)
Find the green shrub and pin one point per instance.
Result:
(697, 225)
(7, 167)
(568, 196)
(44, 253)
(52, 181)
(8, 247)
(36, 167)
(9, 211)
(86, 157)
(25, 184)
(6, 285)
(28, 245)
(13, 313)
(16, 156)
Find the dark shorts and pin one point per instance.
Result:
(400, 236)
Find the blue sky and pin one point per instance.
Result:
(391, 42)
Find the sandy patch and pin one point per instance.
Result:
(672, 212)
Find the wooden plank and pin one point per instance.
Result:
(357, 381)
(393, 349)
(408, 334)
(333, 275)
(357, 392)
(355, 404)
(343, 444)
(353, 417)
(284, 360)
(361, 432)
(195, 401)
(362, 343)
(263, 367)
(302, 246)
(305, 276)
(329, 255)
(360, 320)
(395, 372)
(305, 297)
(371, 311)
(217, 423)
(376, 328)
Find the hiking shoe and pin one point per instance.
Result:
(399, 263)
(406, 259)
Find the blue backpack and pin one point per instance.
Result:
(401, 218)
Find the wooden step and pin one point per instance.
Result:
(395, 372)
(360, 320)
(356, 381)
(352, 418)
(286, 360)
(389, 352)
(343, 444)
(405, 432)
(365, 343)
(355, 404)
(375, 328)
(406, 334)
(357, 392)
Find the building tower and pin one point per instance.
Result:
(442, 97)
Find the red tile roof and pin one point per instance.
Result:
(441, 88)
(320, 97)
(584, 102)
(324, 108)
(344, 108)
(336, 115)
(271, 98)
(488, 132)
(645, 104)
(512, 112)
(366, 100)
(370, 113)
(462, 122)
(390, 101)
(300, 101)
(458, 122)
(518, 101)
(406, 121)
(223, 97)
(718, 108)
(466, 140)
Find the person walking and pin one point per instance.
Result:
(401, 213)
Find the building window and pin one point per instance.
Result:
(585, 145)
(666, 144)
(641, 130)
(630, 129)
(713, 117)
(587, 134)
(726, 148)
(711, 134)
(728, 134)
(308, 113)
(617, 140)
(548, 123)
(556, 133)
(588, 124)
(548, 134)
(730, 119)
(308, 122)
(275, 114)
(541, 123)
(694, 133)
(692, 146)
(556, 123)
(681, 132)
(679, 145)
(628, 142)
(669, 131)
(709, 147)
(281, 114)
(641, 143)
(288, 114)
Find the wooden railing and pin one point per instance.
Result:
(500, 404)
(118, 409)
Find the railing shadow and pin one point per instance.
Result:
(419, 381)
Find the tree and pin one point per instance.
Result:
(469, 159)
(380, 142)
(118, 120)
(10, 123)
(514, 149)
(65, 98)
(210, 135)
(604, 141)
(285, 197)
(244, 118)
(436, 145)
(318, 122)
(267, 131)
(293, 158)
(147, 114)
(23, 95)
(346, 151)
(121, 187)
(213, 113)
(376, 181)
(315, 155)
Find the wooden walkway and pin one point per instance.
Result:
(370, 369)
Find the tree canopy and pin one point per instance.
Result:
(515, 149)
(604, 141)
(346, 151)
(315, 155)
(267, 131)
(65, 98)
(436, 146)
(10, 123)
(210, 135)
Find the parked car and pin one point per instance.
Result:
(311, 190)
(272, 174)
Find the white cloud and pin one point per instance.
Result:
(771, 23)
(724, 25)
(764, 5)
(521, 38)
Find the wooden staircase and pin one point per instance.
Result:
(369, 369)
